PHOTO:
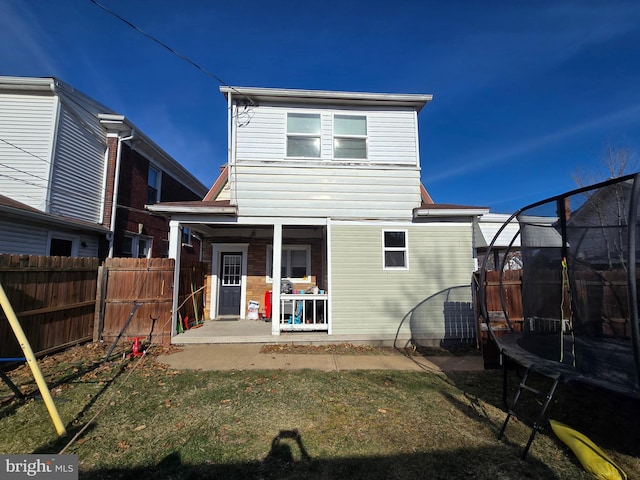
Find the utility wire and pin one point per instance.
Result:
(174, 52)
(161, 43)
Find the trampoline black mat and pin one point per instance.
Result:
(602, 363)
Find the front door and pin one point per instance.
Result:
(230, 283)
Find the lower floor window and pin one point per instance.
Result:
(136, 246)
(61, 247)
(296, 262)
(395, 249)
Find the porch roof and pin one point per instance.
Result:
(216, 207)
(448, 210)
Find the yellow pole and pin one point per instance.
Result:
(31, 361)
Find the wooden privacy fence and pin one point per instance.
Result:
(124, 283)
(510, 288)
(53, 298)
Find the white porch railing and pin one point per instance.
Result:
(303, 312)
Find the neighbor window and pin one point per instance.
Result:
(153, 186)
(395, 249)
(303, 135)
(349, 136)
(186, 236)
(136, 246)
(296, 262)
(61, 247)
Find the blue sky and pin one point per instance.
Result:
(526, 94)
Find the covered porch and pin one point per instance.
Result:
(241, 331)
(244, 331)
(245, 258)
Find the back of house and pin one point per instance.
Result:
(321, 218)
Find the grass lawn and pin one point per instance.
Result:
(160, 423)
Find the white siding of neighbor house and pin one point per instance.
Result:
(77, 182)
(27, 126)
(20, 238)
(432, 299)
(31, 239)
(261, 134)
(326, 191)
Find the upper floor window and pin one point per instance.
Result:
(395, 249)
(349, 136)
(153, 185)
(303, 135)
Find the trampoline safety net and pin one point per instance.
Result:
(579, 284)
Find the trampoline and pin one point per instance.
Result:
(580, 324)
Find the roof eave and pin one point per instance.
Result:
(449, 212)
(417, 101)
(53, 219)
(193, 209)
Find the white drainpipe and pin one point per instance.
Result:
(116, 184)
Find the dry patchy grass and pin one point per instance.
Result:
(287, 424)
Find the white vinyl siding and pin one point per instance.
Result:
(77, 183)
(431, 301)
(261, 134)
(21, 238)
(27, 126)
(29, 239)
(327, 191)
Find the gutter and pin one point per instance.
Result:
(449, 212)
(207, 209)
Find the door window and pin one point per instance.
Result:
(231, 270)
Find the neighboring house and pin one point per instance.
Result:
(507, 242)
(75, 177)
(322, 193)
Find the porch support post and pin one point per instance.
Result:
(275, 275)
(175, 244)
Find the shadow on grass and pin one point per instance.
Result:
(279, 463)
(607, 418)
(11, 403)
(76, 425)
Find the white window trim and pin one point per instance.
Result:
(288, 248)
(335, 135)
(186, 231)
(158, 181)
(64, 236)
(302, 135)
(135, 244)
(404, 249)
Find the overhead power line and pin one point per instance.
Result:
(161, 43)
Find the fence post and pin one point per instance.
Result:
(98, 323)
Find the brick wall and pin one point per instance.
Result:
(257, 284)
(132, 197)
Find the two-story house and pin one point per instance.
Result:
(75, 177)
(320, 217)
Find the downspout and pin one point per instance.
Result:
(231, 139)
(116, 184)
(52, 146)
